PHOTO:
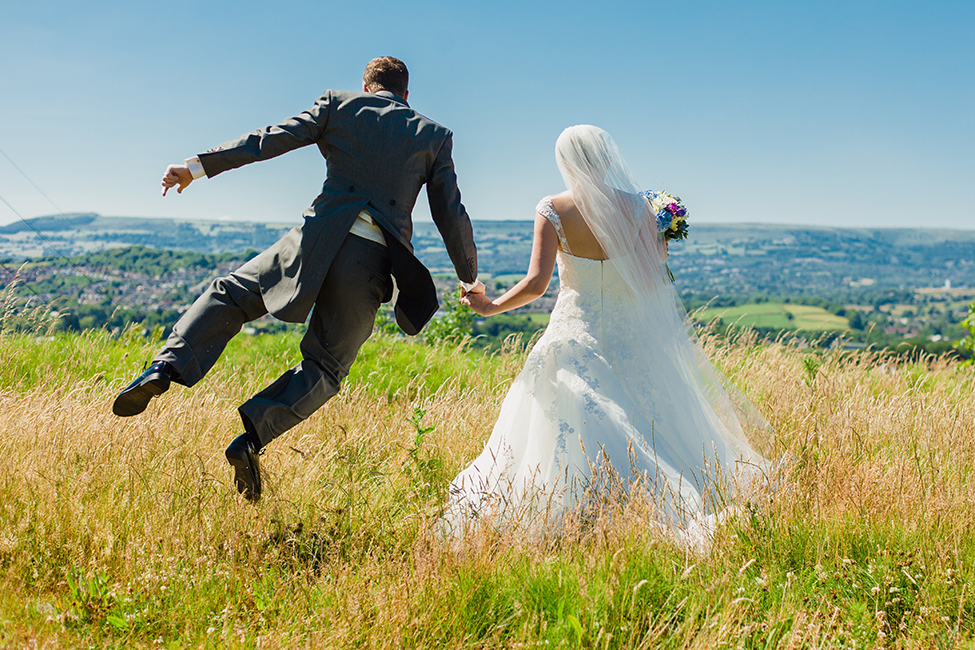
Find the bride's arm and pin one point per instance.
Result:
(533, 285)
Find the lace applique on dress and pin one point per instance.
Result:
(547, 210)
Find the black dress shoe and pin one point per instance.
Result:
(134, 399)
(242, 455)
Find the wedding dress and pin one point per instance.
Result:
(605, 403)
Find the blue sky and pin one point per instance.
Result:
(838, 113)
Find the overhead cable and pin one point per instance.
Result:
(49, 199)
(46, 242)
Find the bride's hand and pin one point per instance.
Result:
(478, 302)
(663, 246)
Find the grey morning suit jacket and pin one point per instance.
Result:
(379, 153)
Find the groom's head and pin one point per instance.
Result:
(386, 73)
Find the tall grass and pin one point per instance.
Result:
(128, 532)
(24, 314)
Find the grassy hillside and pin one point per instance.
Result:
(776, 315)
(128, 533)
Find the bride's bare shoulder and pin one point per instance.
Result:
(563, 203)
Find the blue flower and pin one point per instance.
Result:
(664, 219)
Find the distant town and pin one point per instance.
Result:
(879, 286)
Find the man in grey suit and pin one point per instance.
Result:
(338, 265)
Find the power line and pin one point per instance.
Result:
(43, 239)
(24, 282)
(49, 199)
(37, 187)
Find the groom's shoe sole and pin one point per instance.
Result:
(242, 456)
(135, 397)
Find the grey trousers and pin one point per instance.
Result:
(357, 283)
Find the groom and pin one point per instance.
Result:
(338, 265)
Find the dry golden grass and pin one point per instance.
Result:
(128, 533)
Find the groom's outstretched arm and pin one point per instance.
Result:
(450, 215)
(269, 142)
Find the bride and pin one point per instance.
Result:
(618, 391)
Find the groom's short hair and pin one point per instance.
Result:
(386, 73)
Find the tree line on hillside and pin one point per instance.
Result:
(117, 288)
(144, 260)
(114, 288)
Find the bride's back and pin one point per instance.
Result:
(581, 241)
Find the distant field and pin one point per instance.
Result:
(771, 315)
(509, 278)
(777, 316)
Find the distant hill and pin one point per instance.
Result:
(790, 260)
(880, 286)
(54, 223)
(75, 234)
(717, 259)
(766, 258)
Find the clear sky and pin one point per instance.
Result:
(834, 112)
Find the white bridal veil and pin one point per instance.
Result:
(625, 226)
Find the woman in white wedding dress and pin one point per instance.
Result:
(617, 392)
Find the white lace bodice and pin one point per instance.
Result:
(592, 295)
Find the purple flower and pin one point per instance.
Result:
(673, 208)
(682, 212)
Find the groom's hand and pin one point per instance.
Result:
(477, 288)
(176, 175)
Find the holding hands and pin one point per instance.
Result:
(476, 299)
(478, 302)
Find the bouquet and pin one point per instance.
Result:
(670, 212)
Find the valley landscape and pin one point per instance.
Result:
(872, 286)
(129, 534)
(818, 337)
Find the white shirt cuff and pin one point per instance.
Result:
(196, 167)
(468, 285)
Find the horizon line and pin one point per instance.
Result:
(227, 219)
